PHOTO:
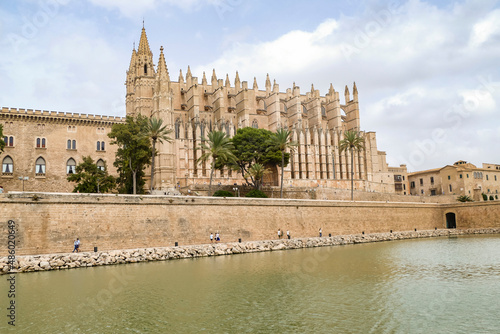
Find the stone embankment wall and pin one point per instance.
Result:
(88, 259)
(47, 223)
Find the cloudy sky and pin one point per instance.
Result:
(427, 71)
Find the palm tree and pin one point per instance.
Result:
(157, 132)
(281, 141)
(257, 172)
(352, 141)
(218, 148)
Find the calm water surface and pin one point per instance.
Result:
(442, 285)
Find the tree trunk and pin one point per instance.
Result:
(152, 169)
(282, 169)
(211, 177)
(352, 175)
(134, 172)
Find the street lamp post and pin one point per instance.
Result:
(23, 178)
(236, 191)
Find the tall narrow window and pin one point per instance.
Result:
(70, 166)
(43, 142)
(177, 129)
(101, 165)
(38, 142)
(98, 145)
(102, 146)
(40, 166)
(73, 144)
(68, 145)
(7, 165)
(145, 69)
(255, 124)
(11, 141)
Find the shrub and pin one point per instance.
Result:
(485, 197)
(496, 196)
(223, 193)
(464, 198)
(491, 198)
(256, 193)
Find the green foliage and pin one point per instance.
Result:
(496, 196)
(256, 193)
(217, 148)
(352, 141)
(90, 179)
(133, 154)
(281, 141)
(491, 198)
(2, 143)
(485, 197)
(223, 193)
(464, 198)
(253, 146)
(256, 173)
(155, 130)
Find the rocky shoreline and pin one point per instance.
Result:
(30, 263)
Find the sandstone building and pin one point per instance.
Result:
(461, 178)
(46, 144)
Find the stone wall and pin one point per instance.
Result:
(49, 223)
(89, 259)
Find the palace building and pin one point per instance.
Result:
(46, 145)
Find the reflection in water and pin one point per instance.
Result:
(414, 286)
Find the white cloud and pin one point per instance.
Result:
(483, 30)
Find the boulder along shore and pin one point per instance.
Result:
(31, 263)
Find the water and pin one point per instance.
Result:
(441, 285)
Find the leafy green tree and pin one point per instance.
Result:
(133, 154)
(157, 132)
(218, 149)
(353, 142)
(256, 174)
(91, 179)
(281, 140)
(485, 197)
(253, 146)
(2, 143)
(464, 198)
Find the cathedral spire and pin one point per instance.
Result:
(214, 79)
(144, 44)
(188, 73)
(181, 77)
(204, 79)
(162, 66)
(228, 83)
(268, 83)
(255, 86)
(133, 60)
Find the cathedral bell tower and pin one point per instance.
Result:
(140, 80)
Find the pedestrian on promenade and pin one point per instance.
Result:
(279, 233)
(217, 237)
(288, 234)
(77, 246)
(211, 237)
(320, 232)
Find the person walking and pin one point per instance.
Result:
(217, 237)
(77, 246)
(279, 233)
(211, 238)
(320, 232)
(288, 234)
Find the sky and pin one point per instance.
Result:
(427, 72)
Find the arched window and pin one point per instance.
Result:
(68, 145)
(43, 142)
(102, 146)
(255, 124)
(38, 142)
(177, 129)
(40, 166)
(304, 110)
(227, 129)
(70, 166)
(323, 111)
(202, 127)
(98, 146)
(101, 165)
(145, 69)
(7, 165)
(73, 144)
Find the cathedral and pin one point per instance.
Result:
(192, 108)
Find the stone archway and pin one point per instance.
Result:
(451, 220)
